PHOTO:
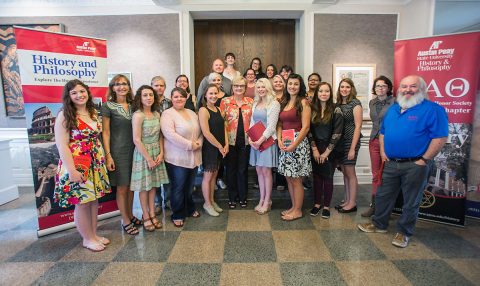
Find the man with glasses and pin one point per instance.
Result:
(412, 133)
(218, 67)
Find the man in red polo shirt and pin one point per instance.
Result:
(413, 131)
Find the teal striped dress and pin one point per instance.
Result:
(144, 179)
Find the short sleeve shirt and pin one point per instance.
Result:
(408, 134)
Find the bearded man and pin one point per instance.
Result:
(413, 131)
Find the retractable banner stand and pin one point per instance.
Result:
(450, 65)
(47, 61)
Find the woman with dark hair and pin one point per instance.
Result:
(256, 65)
(215, 146)
(250, 88)
(182, 82)
(118, 143)
(270, 72)
(230, 72)
(81, 177)
(285, 71)
(382, 88)
(294, 160)
(353, 116)
(238, 111)
(148, 168)
(325, 133)
(183, 154)
(313, 80)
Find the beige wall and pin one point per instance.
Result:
(145, 45)
(354, 39)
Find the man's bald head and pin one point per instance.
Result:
(218, 66)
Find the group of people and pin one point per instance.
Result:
(150, 141)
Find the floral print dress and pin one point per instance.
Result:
(83, 141)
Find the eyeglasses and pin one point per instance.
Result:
(381, 86)
(121, 84)
(238, 85)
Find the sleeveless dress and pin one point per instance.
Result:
(144, 179)
(83, 141)
(348, 130)
(269, 157)
(211, 157)
(297, 163)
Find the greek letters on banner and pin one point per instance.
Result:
(450, 66)
(46, 62)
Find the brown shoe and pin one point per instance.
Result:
(400, 240)
(368, 213)
(370, 227)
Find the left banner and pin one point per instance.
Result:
(46, 62)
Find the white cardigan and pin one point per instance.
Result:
(273, 112)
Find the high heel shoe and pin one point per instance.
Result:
(259, 206)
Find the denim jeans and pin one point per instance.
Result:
(181, 186)
(236, 163)
(409, 178)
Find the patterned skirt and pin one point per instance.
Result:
(297, 163)
(144, 179)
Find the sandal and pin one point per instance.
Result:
(136, 221)
(289, 217)
(195, 214)
(130, 229)
(94, 247)
(178, 222)
(149, 227)
(232, 205)
(103, 240)
(156, 223)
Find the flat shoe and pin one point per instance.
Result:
(285, 212)
(195, 214)
(104, 240)
(94, 247)
(289, 217)
(177, 222)
(344, 211)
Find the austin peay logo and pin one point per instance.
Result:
(85, 47)
(435, 50)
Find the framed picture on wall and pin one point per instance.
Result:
(362, 76)
(12, 86)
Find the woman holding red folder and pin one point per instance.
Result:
(265, 110)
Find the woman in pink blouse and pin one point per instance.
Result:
(183, 154)
(238, 111)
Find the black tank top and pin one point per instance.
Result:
(216, 125)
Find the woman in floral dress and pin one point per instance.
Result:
(81, 177)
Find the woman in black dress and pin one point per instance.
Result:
(183, 83)
(214, 148)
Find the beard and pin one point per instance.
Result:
(414, 99)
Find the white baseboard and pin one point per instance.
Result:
(8, 194)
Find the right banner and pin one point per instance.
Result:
(450, 65)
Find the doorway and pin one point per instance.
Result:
(273, 41)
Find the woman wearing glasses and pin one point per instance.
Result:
(382, 88)
(118, 143)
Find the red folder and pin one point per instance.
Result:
(256, 131)
(288, 137)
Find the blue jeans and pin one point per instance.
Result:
(409, 178)
(181, 186)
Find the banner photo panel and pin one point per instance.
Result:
(47, 61)
(450, 67)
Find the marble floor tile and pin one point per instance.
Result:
(247, 221)
(350, 245)
(14, 241)
(371, 273)
(278, 224)
(199, 247)
(311, 273)
(206, 222)
(190, 274)
(11, 219)
(130, 273)
(71, 273)
(117, 241)
(430, 272)
(300, 246)
(148, 247)
(469, 268)
(445, 243)
(470, 234)
(250, 274)
(248, 247)
(415, 250)
(48, 248)
(22, 273)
